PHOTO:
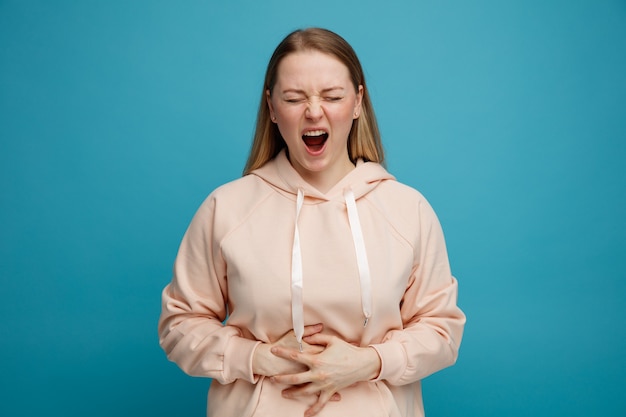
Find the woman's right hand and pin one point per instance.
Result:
(265, 363)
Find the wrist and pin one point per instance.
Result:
(374, 363)
(259, 360)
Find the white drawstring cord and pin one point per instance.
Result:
(297, 307)
(361, 254)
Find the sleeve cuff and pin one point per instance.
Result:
(393, 360)
(238, 359)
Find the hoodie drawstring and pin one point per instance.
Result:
(361, 254)
(297, 306)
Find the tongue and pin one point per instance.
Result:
(314, 143)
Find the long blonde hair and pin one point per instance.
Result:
(364, 138)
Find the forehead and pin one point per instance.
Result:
(312, 69)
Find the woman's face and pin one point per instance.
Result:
(314, 104)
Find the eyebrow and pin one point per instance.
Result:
(326, 90)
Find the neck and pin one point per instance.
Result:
(325, 180)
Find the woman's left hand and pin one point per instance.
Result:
(338, 366)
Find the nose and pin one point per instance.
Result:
(314, 109)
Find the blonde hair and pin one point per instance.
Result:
(364, 139)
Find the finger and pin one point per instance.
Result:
(291, 354)
(312, 349)
(319, 339)
(285, 353)
(305, 391)
(319, 404)
(312, 329)
(296, 391)
(293, 379)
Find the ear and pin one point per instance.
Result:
(358, 102)
(270, 106)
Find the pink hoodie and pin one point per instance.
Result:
(268, 253)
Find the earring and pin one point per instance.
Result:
(273, 118)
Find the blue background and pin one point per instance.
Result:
(117, 118)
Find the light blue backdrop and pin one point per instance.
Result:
(117, 118)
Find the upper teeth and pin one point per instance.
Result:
(314, 133)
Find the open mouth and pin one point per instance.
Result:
(315, 140)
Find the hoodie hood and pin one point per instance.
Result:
(364, 178)
(282, 176)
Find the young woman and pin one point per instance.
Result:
(316, 283)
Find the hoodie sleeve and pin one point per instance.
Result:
(191, 329)
(433, 324)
